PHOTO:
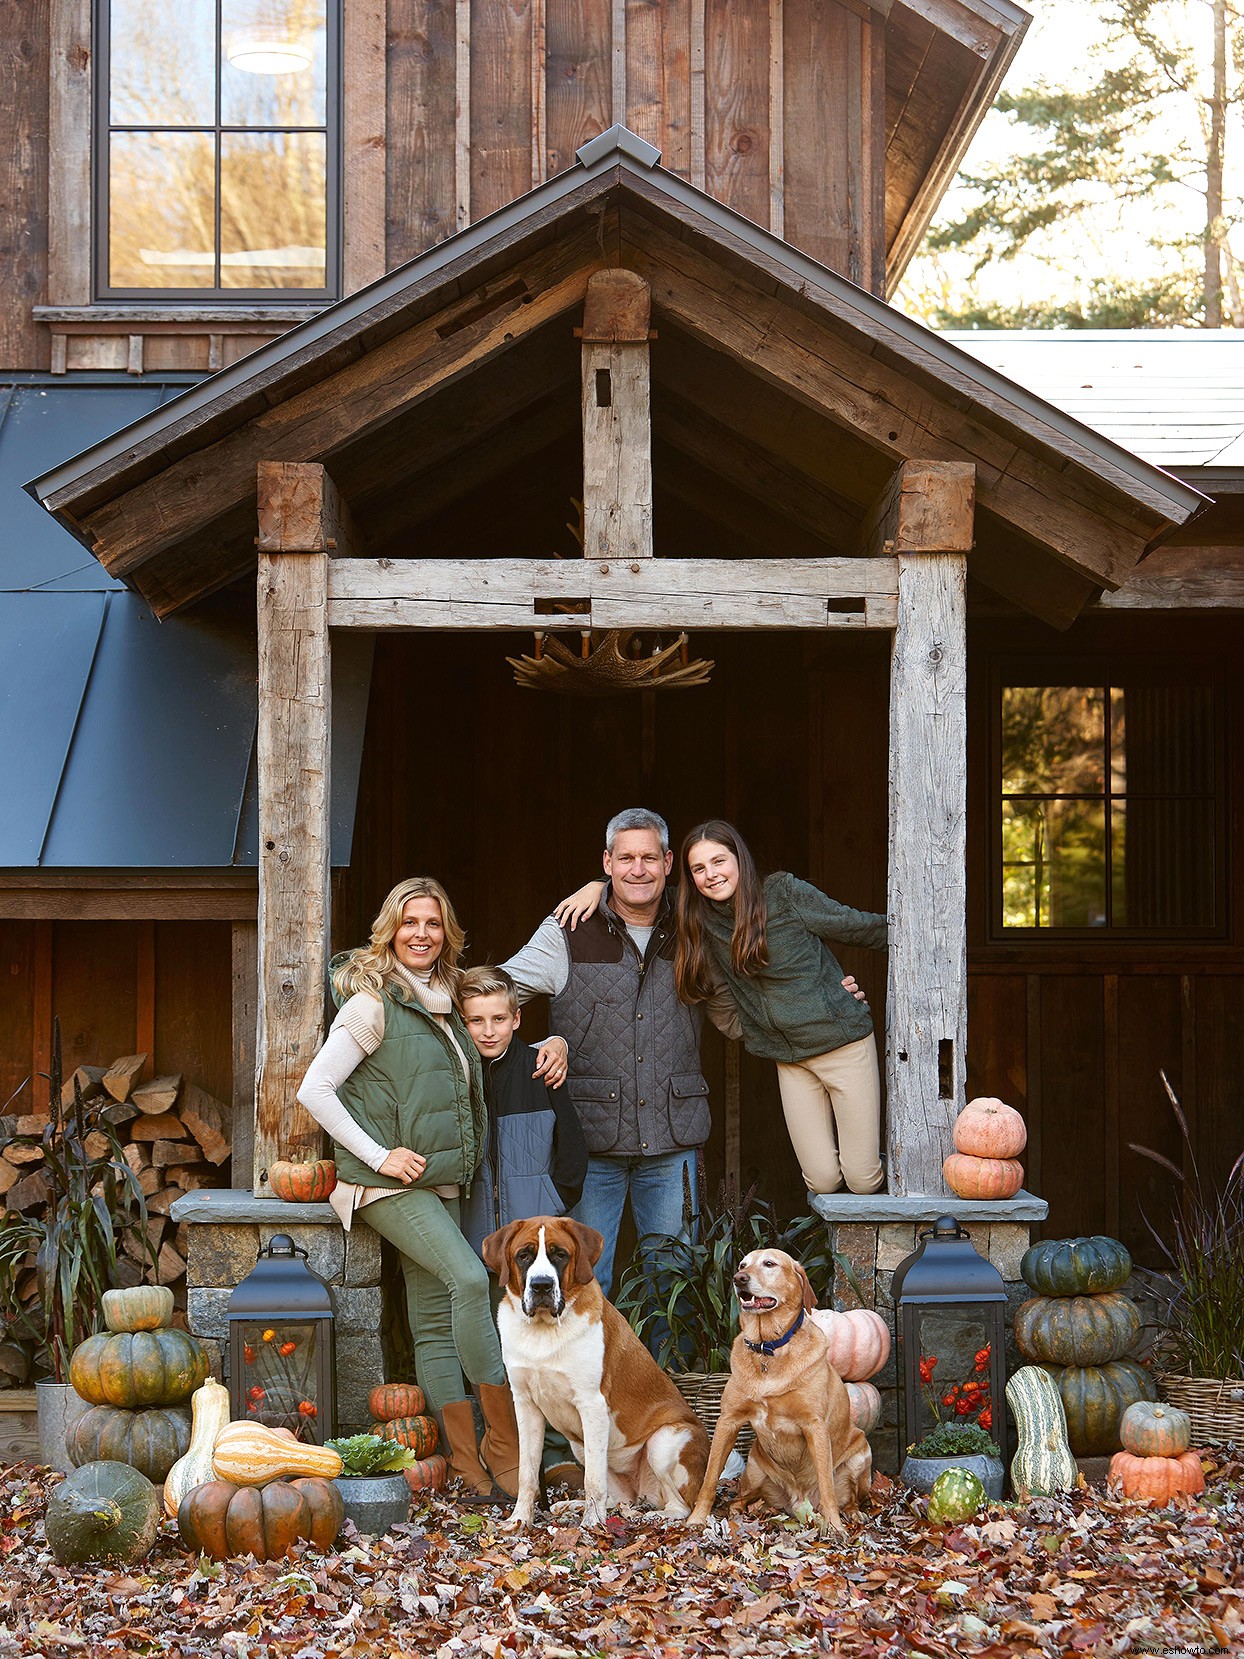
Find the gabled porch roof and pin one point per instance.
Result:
(769, 370)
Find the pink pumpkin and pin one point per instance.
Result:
(988, 1128)
(865, 1406)
(859, 1341)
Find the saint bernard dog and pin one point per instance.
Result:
(574, 1362)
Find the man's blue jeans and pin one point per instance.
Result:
(655, 1186)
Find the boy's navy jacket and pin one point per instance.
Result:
(535, 1156)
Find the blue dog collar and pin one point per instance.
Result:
(771, 1348)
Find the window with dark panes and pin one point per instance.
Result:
(1110, 803)
(216, 157)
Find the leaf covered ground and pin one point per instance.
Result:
(1082, 1574)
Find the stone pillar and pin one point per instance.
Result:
(226, 1230)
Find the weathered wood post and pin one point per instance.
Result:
(617, 424)
(925, 518)
(300, 525)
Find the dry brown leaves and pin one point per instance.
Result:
(1077, 1575)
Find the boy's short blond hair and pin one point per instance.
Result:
(488, 982)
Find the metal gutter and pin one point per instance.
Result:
(612, 156)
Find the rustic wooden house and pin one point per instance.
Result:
(533, 323)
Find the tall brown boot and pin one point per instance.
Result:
(464, 1464)
(499, 1447)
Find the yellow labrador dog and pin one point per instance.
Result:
(807, 1449)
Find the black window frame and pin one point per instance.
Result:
(1107, 670)
(102, 128)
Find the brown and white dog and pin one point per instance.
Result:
(806, 1450)
(573, 1361)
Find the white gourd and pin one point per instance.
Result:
(209, 1412)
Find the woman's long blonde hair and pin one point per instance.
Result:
(374, 967)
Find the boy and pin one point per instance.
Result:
(536, 1156)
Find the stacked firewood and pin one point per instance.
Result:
(175, 1137)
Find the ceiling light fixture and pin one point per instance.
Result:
(268, 53)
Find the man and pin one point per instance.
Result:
(635, 1075)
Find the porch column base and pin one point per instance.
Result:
(226, 1228)
(875, 1231)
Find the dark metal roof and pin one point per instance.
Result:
(126, 742)
(618, 157)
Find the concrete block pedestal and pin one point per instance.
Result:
(875, 1231)
(226, 1230)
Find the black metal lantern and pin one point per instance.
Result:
(950, 1309)
(282, 1361)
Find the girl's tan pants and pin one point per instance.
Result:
(833, 1114)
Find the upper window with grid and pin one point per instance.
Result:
(1111, 804)
(216, 157)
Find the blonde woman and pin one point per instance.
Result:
(398, 1085)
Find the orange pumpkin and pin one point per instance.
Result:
(428, 1475)
(971, 1177)
(1155, 1430)
(1157, 1478)
(418, 1433)
(859, 1341)
(988, 1128)
(303, 1183)
(390, 1400)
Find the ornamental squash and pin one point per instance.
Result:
(388, 1401)
(325, 1506)
(103, 1511)
(1075, 1266)
(987, 1178)
(138, 1368)
(150, 1441)
(418, 1434)
(210, 1411)
(1151, 1430)
(955, 1497)
(303, 1183)
(1157, 1478)
(1043, 1463)
(138, 1308)
(220, 1520)
(251, 1454)
(989, 1128)
(428, 1475)
(1095, 1397)
(1077, 1330)
(865, 1406)
(859, 1341)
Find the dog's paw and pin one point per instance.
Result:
(520, 1516)
(594, 1513)
(699, 1518)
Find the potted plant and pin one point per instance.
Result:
(962, 1414)
(1200, 1352)
(94, 1201)
(678, 1293)
(372, 1486)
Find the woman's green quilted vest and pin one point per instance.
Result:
(412, 1092)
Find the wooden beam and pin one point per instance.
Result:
(657, 593)
(301, 522)
(927, 507)
(244, 1014)
(617, 418)
(364, 87)
(926, 1035)
(1182, 579)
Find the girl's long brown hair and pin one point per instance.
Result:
(749, 952)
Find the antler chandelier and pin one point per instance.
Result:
(610, 663)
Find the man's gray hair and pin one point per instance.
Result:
(637, 818)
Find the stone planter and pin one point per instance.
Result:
(59, 1407)
(920, 1472)
(374, 1502)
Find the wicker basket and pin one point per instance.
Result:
(1215, 1407)
(702, 1391)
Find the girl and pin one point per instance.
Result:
(397, 1073)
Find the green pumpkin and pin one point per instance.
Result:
(1075, 1266)
(102, 1512)
(1077, 1330)
(138, 1308)
(1095, 1397)
(150, 1441)
(138, 1368)
(956, 1497)
(1043, 1463)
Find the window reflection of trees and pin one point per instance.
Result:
(169, 227)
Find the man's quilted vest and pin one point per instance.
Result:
(635, 1073)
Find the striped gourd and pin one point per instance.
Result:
(1043, 1463)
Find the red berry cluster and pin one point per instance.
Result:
(969, 1400)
